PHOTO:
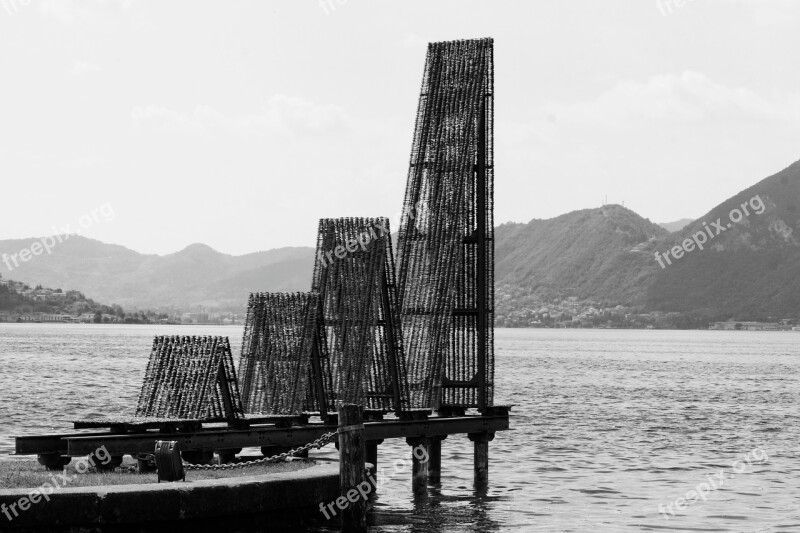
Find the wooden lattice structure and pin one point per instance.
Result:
(410, 341)
(354, 276)
(275, 367)
(446, 245)
(190, 378)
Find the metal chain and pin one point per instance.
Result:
(324, 440)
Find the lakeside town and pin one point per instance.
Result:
(45, 305)
(212, 319)
(19, 302)
(515, 308)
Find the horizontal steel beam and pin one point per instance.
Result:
(271, 436)
(56, 443)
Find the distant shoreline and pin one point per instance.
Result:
(72, 322)
(795, 329)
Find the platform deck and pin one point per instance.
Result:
(81, 444)
(171, 425)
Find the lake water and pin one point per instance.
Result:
(607, 426)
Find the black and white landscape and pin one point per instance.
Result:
(162, 161)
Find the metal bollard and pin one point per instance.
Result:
(168, 461)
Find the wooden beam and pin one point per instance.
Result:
(294, 436)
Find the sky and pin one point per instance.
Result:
(238, 124)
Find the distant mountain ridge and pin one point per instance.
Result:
(751, 269)
(591, 253)
(675, 226)
(606, 255)
(198, 275)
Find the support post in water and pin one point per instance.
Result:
(419, 467)
(351, 467)
(372, 454)
(481, 442)
(435, 459)
(372, 458)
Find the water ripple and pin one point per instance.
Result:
(608, 425)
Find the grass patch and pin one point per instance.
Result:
(30, 474)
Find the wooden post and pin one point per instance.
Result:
(435, 459)
(481, 268)
(319, 378)
(200, 457)
(372, 455)
(53, 461)
(269, 451)
(351, 469)
(225, 391)
(227, 455)
(481, 461)
(391, 342)
(481, 442)
(419, 465)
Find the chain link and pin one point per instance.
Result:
(324, 440)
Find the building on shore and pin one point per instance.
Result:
(749, 326)
(46, 318)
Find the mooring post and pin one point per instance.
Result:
(372, 454)
(419, 464)
(435, 459)
(351, 469)
(53, 461)
(372, 458)
(481, 442)
(227, 455)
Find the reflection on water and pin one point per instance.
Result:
(608, 424)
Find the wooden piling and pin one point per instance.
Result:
(481, 461)
(419, 465)
(351, 468)
(435, 459)
(372, 455)
(228, 455)
(269, 451)
(481, 457)
(372, 458)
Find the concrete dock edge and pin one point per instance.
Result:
(93, 508)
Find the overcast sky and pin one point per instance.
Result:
(240, 123)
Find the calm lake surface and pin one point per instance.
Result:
(607, 425)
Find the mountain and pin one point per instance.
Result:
(675, 226)
(593, 254)
(747, 268)
(605, 257)
(197, 275)
(750, 267)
